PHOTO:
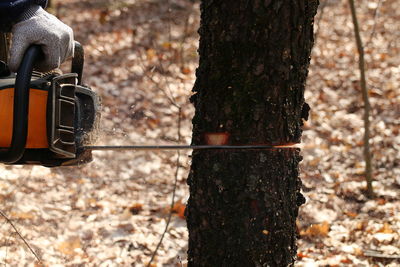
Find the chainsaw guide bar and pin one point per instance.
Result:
(184, 147)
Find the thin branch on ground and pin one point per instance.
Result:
(379, 254)
(21, 237)
(367, 107)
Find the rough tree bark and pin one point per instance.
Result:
(254, 58)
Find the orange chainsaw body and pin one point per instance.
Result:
(37, 129)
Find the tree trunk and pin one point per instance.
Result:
(254, 58)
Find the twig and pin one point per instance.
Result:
(20, 183)
(169, 95)
(173, 193)
(163, 70)
(173, 102)
(321, 15)
(170, 98)
(184, 36)
(8, 240)
(20, 236)
(367, 107)
(376, 13)
(171, 210)
(377, 254)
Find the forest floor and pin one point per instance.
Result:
(141, 58)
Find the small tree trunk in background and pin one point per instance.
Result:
(367, 106)
(254, 58)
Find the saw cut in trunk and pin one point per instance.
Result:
(254, 58)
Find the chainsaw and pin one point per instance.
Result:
(46, 118)
(50, 119)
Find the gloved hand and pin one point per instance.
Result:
(36, 26)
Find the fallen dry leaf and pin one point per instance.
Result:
(179, 209)
(386, 229)
(136, 208)
(316, 230)
(381, 201)
(22, 215)
(70, 246)
(185, 70)
(351, 214)
(346, 261)
(301, 255)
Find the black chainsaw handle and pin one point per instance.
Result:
(78, 61)
(21, 107)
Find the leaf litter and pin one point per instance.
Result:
(140, 56)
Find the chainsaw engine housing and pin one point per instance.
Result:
(59, 113)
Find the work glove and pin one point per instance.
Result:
(36, 26)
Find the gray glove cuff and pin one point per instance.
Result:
(29, 13)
